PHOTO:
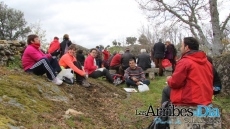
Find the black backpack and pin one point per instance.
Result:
(174, 50)
(161, 122)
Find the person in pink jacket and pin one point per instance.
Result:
(35, 61)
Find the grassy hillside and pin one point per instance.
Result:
(33, 102)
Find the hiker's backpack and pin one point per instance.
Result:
(118, 79)
(161, 122)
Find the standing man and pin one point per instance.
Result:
(158, 53)
(64, 45)
(134, 75)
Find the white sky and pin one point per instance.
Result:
(88, 22)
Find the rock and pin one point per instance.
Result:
(13, 47)
(8, 52)
(11, 58)
(4, 58)
(73, 112)
(3, 41)
(2, 53)
(1, 47)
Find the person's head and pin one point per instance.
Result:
(66, 36)
(33, 39)
(93, 52)
(114, 53)
(80, 51)
(209, 59)
(72, 49)
(160, 40)
(143, 50)
(127, 49)
(189, 43)
(167, 43)
(56, 38)
(121, 52)
(132, 63)
(97, 47)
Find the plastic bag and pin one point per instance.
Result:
(143, 87)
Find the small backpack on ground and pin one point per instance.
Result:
(161, 122)
(118, 79)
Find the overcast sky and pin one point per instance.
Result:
(88, 22)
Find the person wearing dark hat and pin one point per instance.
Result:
(64, 45)
(125, 60)
(54, 48)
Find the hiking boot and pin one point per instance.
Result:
(85, 83)
(57, 81)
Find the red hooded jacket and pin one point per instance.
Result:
(192, 80)
(90, 64)
(54, 45)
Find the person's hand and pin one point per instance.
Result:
(55, 53)
(138, 83)
(134, 79)
(168, 77)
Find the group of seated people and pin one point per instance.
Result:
(39, 63)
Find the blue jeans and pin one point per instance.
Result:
(132, 83)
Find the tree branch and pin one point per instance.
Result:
(225, 23)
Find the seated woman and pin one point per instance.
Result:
(35, 61)
(69, 60)
(92, 69)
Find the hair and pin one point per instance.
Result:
(168, 42)
(56, 38)
(72, 47)
(97, 47)
(143, 50)
(115, 52)
(31, 38)
(209, 59)
(80, 51)
(132, 60)
(66, 36)
(192, 43)
(93, 49)
(121, 52)
(160, 40)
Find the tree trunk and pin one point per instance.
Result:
(217, 47)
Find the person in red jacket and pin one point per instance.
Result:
(191, 83)
(105, 62)
(54, 47)
(92, 69)
(115, 63)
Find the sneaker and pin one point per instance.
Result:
(85, 83)
(57, 81)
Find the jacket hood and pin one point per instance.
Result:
(197, 56)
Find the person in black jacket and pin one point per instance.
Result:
(64, 45)
(143, 60)
(216, 79)
(80, 57)
(125, 60)
(158, 53)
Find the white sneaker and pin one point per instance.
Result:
(57, 81)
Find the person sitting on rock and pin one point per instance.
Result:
(35, 61)
(116, 62)
(135, 75)
(92, 69)
(143, 60)
(68, 60)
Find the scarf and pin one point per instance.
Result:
(36, 45)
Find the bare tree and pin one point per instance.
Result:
(192, 13)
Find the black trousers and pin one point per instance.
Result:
(79, 78)
(165, 94)
(50, 67)
(105, 73)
